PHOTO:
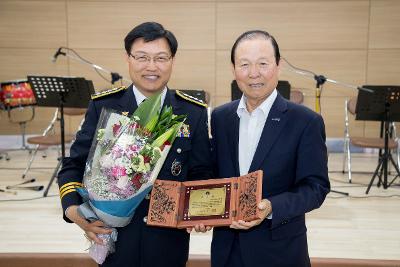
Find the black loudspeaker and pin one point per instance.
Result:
(283, 88)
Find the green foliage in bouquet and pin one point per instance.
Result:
(162, 127)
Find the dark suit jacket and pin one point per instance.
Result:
(292, 154)
(139, 244)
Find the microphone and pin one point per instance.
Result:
(34, 188)
(59, 52)
(18, 187)
(25, 182)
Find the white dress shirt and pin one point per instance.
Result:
(141, 97)
(250, 129)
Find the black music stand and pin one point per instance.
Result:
(384, 106)
(61, 92)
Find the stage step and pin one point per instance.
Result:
(83, 260)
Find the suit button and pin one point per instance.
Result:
(179, 150)
(145, 219)
(147, 196)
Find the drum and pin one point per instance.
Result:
(16, 94)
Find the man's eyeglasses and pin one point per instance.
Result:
(161, 59)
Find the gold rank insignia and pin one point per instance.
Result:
(184, 131)
(125, 113)
(191, 98)
(108, 92)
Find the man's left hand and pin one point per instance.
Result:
(200, 228)
(265, 208)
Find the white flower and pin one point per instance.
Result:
(122, 182)
(125, 140)
(106, 161)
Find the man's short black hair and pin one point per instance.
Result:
(249, 35)
(150, 31)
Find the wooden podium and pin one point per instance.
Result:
(213, 202)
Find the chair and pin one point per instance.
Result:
(363, 142)
(296, 96)
(49, 138)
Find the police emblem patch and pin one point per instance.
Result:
(184, 131)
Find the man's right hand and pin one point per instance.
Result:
(91, 228)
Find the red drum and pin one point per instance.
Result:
(16, 93)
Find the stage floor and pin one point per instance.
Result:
(358, 227)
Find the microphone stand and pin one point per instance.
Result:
(320, 81)
(75, 56)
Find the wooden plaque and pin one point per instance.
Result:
(213, 202)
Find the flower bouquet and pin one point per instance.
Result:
(125, 158)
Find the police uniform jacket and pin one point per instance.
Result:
(139, 244)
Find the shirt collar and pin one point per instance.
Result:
(141, 97)
(265, 106)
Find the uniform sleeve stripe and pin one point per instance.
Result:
(67, 192)
(69, 184)
(69, 187)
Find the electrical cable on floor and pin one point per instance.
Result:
(26, 199)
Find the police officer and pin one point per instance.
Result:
(150, 54)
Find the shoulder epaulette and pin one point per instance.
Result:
(191, 98)
(108, 92)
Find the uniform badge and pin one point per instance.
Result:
(125, 113)
(184, 131)
(176, 168)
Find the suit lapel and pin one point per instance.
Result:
(232, 124)
(170, 100)
(128, 101)
(273, 126)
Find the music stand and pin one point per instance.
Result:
(61, 92)
(384, 106)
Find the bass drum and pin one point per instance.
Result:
(16, 93)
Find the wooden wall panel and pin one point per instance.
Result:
(346, 66)
(109, 59)
(21, 62)
(355, 42)
(300, 25)
(92, 25)
(32, 24)
(220, 100)
(174, 1)
(332, 110)
(340, 65)
(385, 24)
(383, 67)
(194, 69)
(224, 74)
(272, 1)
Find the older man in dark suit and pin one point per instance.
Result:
(264, 131)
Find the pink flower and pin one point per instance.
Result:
(116, 128)
(118, 171)
(117, 152)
